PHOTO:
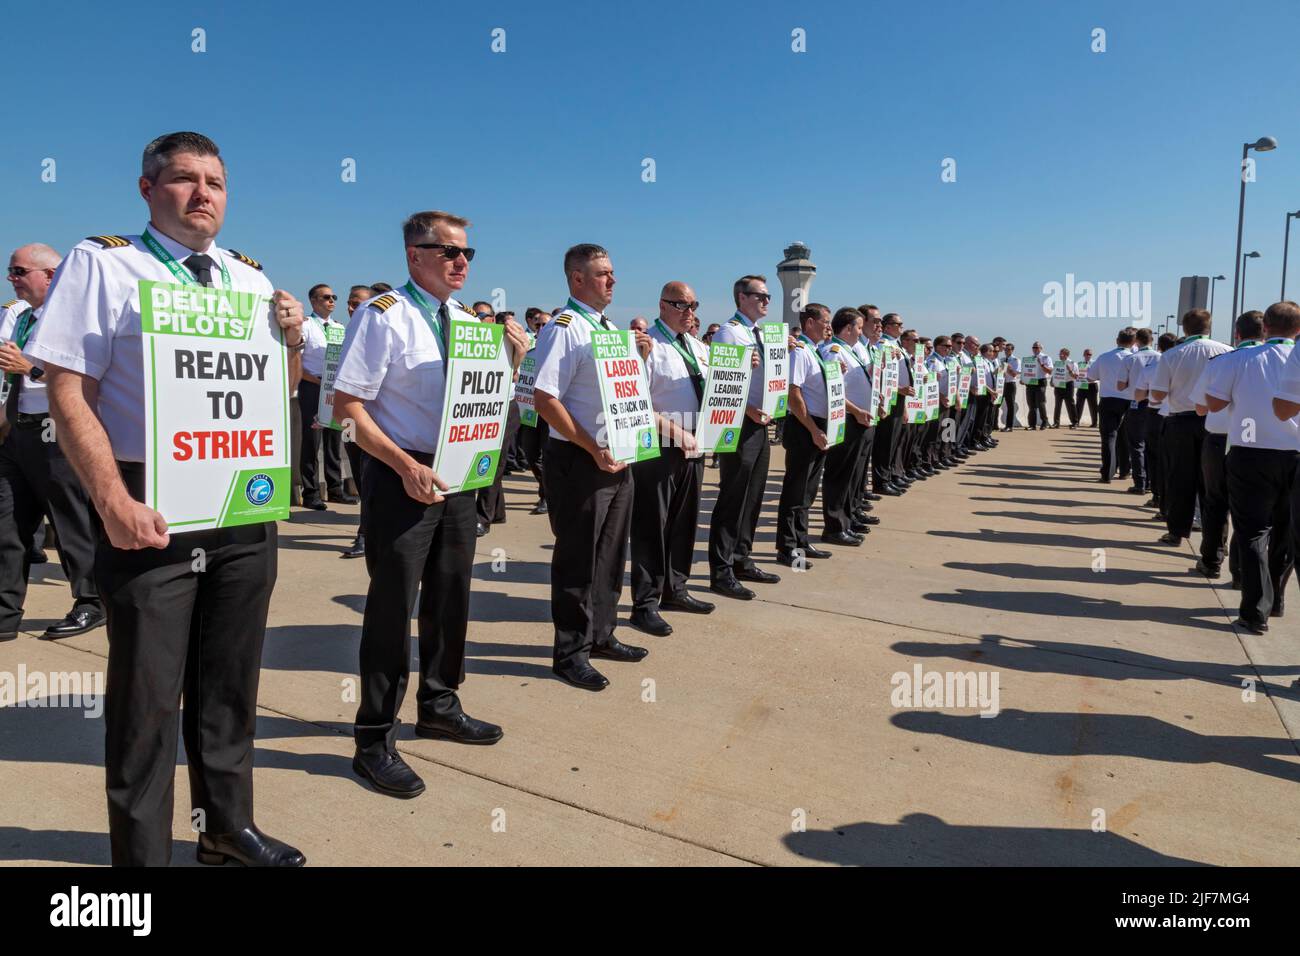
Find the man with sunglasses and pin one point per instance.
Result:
(176, 632)
(666, 490)
(588, 491)
(317, 436)
(419, 542)
(36, 480)
(356, 457)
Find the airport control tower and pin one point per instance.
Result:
(796, 273)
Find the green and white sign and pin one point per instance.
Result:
(836, 409)
(628, 429)
(1060, 374)
(524, 386)
(932, 396)
(474, 412)
(334, 335)
(775, 369)
(726, 390)
(963, 385)
(216, 379)
(1083, 375)
(877, 385)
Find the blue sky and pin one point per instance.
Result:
(1114, 166)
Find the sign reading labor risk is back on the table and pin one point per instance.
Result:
(775, 369)
(334, 335)
(479, 387)
(726, 392)
(216, 379)
(629, 428)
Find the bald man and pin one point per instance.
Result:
(36, 481)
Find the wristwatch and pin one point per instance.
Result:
(299, 347)
(36, 373)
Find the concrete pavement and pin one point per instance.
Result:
(769, 731)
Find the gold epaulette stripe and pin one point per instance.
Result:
(384, 302)
(110, 242)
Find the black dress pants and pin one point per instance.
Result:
(803, 471)
(414, 553)
(1036, 395)
(1065, 396)
(591, 513)
(1086, 396)
(882, 450)
(842, 468)
(191, 626)
(312, 440)
(36, 482)
(532, 441)
(1113, 412)
(1009, 405)
(1182, 439)
(1214, 500)
(1260, 486)
(742, 482)
(665, 512)
(1138, 426)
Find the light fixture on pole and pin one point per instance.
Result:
(1285, 245)
(1261, 145)
(1213, 280)
(1168, 320)
(1249, 255)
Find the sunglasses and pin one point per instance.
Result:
(328, 298)
(760, 296)
(448, 251)
(18, 272)
(681, 305)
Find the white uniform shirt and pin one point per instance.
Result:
(1289, 386)
(393, 361)
(1108, 370)
(1180, 368)
(806, 372)
(1248, 379)
(1143, 375)
(1216, 423)
(1012, 368)
(738, 330)
(671, 391)
(862, 349)
(32, 397)
(857, 380)
(313, 356)
(566, 369)
(91, 323)
(1136, 363)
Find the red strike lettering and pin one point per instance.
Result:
(776, 385)
(212, 445)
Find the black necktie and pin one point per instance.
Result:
(444, 321)
(696, 379)
(201, 266)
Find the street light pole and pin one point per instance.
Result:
(1213, 280)
(1285, 246)
(1249, 255)
(1261, 145)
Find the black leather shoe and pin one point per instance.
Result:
(1207, 570)
(539, 509)
(582, 676)
(791, 560)
(816, 553)
(37, 556)
(871, 496)
(1248, 626)
(867, 519)
(841, 537)
(461, 728)
(1170, 538)
(860, 528)
(480, 529)
(685, 602)
(358, 549)
(8, 636)
(890, 490)
(78, 621)
(315, 504)
(755, 574)
(730, 587)
(1279, 609)
(388, 773)
(249, 846)
(1135, 490)
(339, 496)
(616, 650)
(650, 622)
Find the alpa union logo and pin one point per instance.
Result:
(728, 436)
(259, 490)
(646, 439)
(484, 463)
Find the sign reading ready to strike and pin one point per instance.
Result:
(478, 400)
(629, 419)
(725, 392)
(216, 380)
(775, 369)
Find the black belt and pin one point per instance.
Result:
(24, 420)
(1181, 414)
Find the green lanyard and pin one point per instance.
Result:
(598, 326)
(1247, 344)
(24, 331)
(1193, 338)
(687, 356)
(430, 316)
(1280, 341)
(183, 275)
(845, 347)
(808, 343)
